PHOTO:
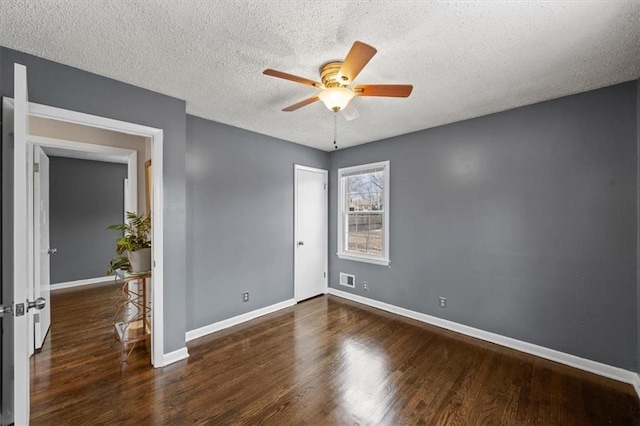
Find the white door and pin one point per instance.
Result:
(15, 349)
(311, 232)
(42, 246)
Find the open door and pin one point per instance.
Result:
(43, 251)
(7, 265)
(15, 342)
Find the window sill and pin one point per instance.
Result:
(365, 259)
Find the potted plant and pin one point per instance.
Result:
(135, 243)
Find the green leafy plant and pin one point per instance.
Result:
(135, 235)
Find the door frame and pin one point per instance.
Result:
(325, 173)
(157, 214)
(131, 194)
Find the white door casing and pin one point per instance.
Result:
(158, 358)
(127, 199)
(310, 232)
(41, 244)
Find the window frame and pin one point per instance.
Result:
(343, 216)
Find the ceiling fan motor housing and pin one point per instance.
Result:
(329, 73)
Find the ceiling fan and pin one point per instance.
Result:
(337, 78)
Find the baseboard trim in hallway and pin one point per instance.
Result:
(78, 283)
(239, 319)
(595, 367)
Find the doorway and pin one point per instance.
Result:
(310, 232)
(92, 186)
(156, 138)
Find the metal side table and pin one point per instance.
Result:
(133, 312)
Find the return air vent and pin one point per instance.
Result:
(347, 280)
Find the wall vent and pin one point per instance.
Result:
(347, 280)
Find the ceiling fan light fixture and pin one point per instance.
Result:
(336, 98)
(337, 76)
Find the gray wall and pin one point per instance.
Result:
(638, 251)
(85, 197)
(239, 219)
(525, 220)
(58, 85)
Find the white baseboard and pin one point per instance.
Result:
(605, 370)
(221, 325)
(175, 356)
(79, 283)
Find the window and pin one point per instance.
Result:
(363, 212)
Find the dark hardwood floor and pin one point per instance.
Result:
(324, 361)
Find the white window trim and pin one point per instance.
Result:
(359, 257)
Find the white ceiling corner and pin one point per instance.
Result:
(464, 59)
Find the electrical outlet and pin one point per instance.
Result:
(443, 302)
(245, 296)
(365, 285)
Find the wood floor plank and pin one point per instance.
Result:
(323, 361)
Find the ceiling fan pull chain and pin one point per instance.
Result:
(335, 129)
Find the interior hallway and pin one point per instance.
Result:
(324, 361)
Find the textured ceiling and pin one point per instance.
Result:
(464, 59)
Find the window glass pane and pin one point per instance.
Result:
(352, 233)
(359, 202)
(376, 202)
(351, 202)
(356, 183)
(365, 233)
(351, 243)
(372, 201)
(375, 182)
(375, 245)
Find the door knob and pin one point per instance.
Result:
(38, 304)
(300, 243)
(52, 251)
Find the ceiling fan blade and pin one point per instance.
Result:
(291, 77)
(350, 112)
(388, 90)
(359, 56)
(301, 104)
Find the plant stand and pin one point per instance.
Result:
(134, 327)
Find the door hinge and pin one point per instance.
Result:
(325, 275)
(6, 310)
(36, 167)
(325, 186)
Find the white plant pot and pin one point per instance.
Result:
(139, 260)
